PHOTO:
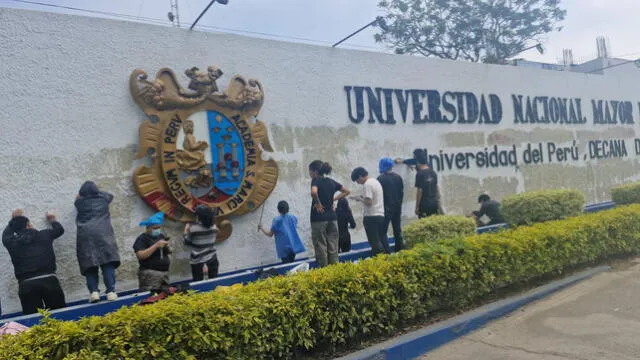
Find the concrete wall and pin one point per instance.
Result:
(67, 116)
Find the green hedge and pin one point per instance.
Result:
(538, 206)
(626, 194)
(338, 305)
(434, 228)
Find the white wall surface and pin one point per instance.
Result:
(66, 116)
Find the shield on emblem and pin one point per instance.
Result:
(211, 142)
(227, 153)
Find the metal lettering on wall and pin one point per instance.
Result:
(448, 109)
(390, 106)
(205, 145)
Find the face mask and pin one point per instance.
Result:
(156, 232)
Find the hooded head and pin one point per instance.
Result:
(18, 223)
(89, 188)
(385, 165)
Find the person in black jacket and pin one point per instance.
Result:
(34, 262)
(491, 209)
(345, 221)
(393, 189)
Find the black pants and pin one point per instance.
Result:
(197, 272)
(393, 217)
(376, 234)
(291, 257)
(43, 293)
(428, 207)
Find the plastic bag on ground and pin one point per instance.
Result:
(300, 268)
(12, 328)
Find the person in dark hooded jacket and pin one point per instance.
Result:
(345, 221)
(34, 262)
(96, 245)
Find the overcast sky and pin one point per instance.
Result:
(326, 21)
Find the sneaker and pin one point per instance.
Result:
(112, 296)
(94, 297)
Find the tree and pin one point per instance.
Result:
(473, 30)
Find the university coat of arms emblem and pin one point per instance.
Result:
(205, 145)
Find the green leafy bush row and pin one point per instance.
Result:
(342, 304)
(430, 229)
(538, 206)
(626, 194)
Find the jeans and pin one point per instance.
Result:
(376, 234)
(197, 270)
(108, 276)
(393, 217)
(325, 242)
(41, 293)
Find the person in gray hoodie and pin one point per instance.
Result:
(96, 245)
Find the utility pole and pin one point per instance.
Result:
(174, 14)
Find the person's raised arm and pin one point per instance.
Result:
(56, 228)
(268, 233)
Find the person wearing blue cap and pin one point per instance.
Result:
(393, 189)
(152, 250)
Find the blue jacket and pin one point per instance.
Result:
(284, 227)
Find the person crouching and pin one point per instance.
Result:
(152, 250)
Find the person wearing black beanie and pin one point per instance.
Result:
(34, 262)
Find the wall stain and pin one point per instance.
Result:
(595, 179)
(618, 132)
(459, 193)
(518, 137)
(282, 138)
(498, 187)
(463, 139)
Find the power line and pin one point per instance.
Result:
(83, 10)
(156, 21)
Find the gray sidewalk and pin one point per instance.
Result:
(596, 319)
